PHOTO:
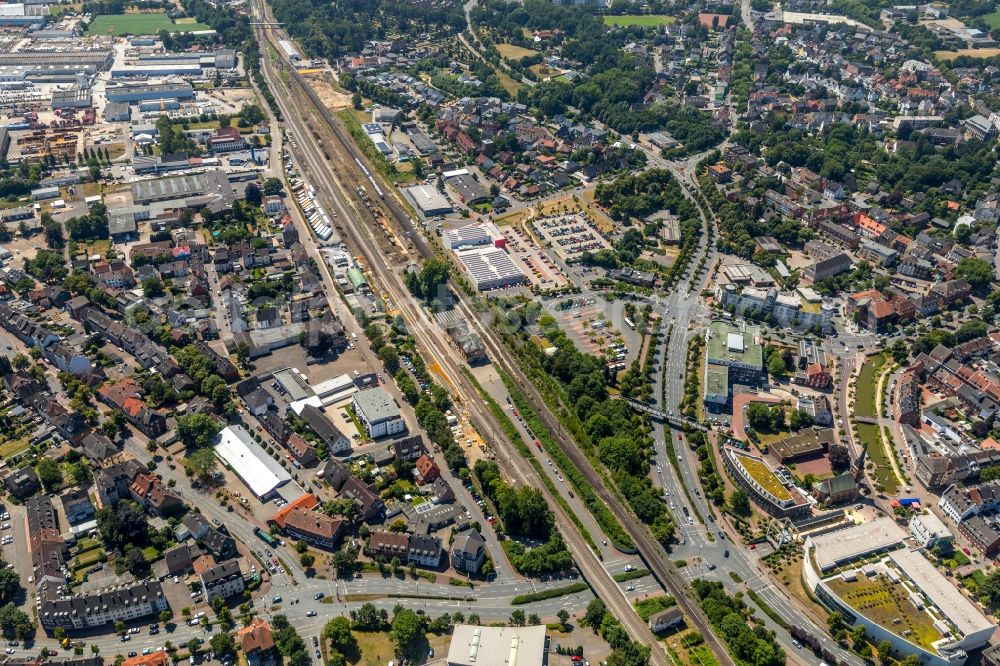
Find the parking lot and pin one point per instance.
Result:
(570, 236)
(539, 267)
(590, 323)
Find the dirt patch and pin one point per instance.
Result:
(819, 467)
(334, 98)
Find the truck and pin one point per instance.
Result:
(265, 537)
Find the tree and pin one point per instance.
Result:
(53, 232)
(197, 430)
(14, 623)
(563, 616)
(152, 287)
(389, 357)
(356, 101)
(253, 194)
(345, 561)
(367, 618)
(976, 271)
(884, 651)
(433, 275)
(776, 366)
(740, 503)
(223, 645)
(201, 464)
(122, 524)
(10, 586)
(338, 632)
(594, 616)
(272, 186)
(166, 616)
(307, 559)
(50, 474)
(194, 645)
(407, 631)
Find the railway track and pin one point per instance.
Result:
(357, 230)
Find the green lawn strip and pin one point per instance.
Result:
(736, 577)
(631, 575)
(645, 608)
(864, 403)
(531, 598)
(872, 441)
(646, 20)
(766, 607)
(602, 514)
(515, 437)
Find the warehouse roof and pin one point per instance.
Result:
(259, 471)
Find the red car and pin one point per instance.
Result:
(967, 551)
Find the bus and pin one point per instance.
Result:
(265, 537)
(630, 323)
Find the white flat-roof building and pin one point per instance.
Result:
(842, 546)
(378, 413)
(928, 530)
(468, 236)
(337, 388)
(429, 200)
(261, 473)
(490, 268)
(511, 646)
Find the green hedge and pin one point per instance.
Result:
(573, 588)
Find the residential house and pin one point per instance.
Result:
(223, 580)
(468, 551)
(257, 642)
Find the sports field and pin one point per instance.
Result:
(149, 23)
(639, 19)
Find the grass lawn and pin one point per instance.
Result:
(876, 453)
(640, 19)
(13, 447)
(512, 52)
(884, 602)
(694, 655)
(993, 20)
(88, 558)
(647, 607)
(148, 23)
(509, 84)
(374, 648)
(864, 404)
